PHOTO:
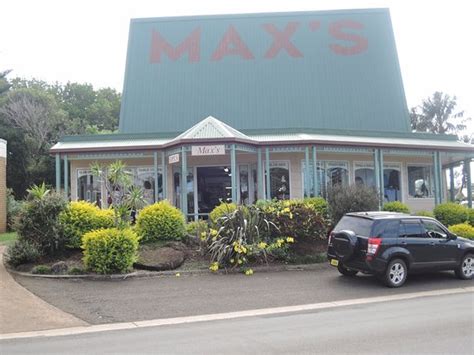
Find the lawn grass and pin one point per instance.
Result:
(8, 239)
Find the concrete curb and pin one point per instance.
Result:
(152, 274)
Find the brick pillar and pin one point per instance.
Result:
(3, 186)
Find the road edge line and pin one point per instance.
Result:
(230, 315)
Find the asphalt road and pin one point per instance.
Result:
(99, 302)
(431, 325)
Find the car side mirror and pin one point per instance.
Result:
(452, 236)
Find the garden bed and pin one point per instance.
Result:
(164, 255)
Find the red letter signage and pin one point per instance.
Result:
(191, 45)
(335, 30)
(232, 37)
(281, 40)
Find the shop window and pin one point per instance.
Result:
(88, 187)
(364, 175)
(420, 181)
(279, 180)
(244, 184)
(144, 178)
(329, 173)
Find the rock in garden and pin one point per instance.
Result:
(59, 268)
(160, 259)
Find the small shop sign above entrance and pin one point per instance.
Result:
(208, 149)
(173, 159)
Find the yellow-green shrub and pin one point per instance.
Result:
(396, 206)
(451, 213)
(81, 217)
(221, 210)
(160, 221)
(424, 214)
(471, 216)
(110, 250)
(463, 230)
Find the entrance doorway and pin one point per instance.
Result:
(213, 187)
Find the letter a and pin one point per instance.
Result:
(238, 46)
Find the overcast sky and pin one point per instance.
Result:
(86, 41)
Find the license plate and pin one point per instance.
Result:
(334, 262)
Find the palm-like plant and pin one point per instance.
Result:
(38, 192)
(125, 197)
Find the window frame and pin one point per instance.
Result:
(420, 165)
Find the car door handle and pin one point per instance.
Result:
(404, 243)
(432, 243)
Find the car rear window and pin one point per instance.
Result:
(360, 226)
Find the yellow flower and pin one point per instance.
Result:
(291, 215)
(213, 232)
(290, 240)
(214, 266)
(262, 245)
(249, 272)
(203, 236)
(178, 274)
(239, 261)
(286, 210)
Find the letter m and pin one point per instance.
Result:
(160, 45)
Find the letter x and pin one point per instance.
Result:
(281, 40)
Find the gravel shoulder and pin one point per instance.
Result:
(99, 302)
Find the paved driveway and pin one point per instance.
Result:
(22, 311)
(162, 297)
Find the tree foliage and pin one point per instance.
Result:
(34, 114)
(438, 114)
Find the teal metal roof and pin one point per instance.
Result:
(211, 129)
(324, 70)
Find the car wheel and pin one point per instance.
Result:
(396, 273)
(465, 271)
(345, 271)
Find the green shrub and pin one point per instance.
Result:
(319, 204)
(110, 250)
(352, 198)
(298, 219)
(81, 217)
(463, 230)
(195, 228)
(221, 210)
(41, 270)
(471, 216)
(424, 214)
(13, 209)
(396, 206)
(38, 221)
(22, 252)
(160, 221)
(451, 213)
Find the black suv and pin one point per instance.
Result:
(389, 245)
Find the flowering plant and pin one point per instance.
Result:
(242, 237)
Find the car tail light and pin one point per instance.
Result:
(330, 238)
(373, 246)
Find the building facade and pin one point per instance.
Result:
(246, 107)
